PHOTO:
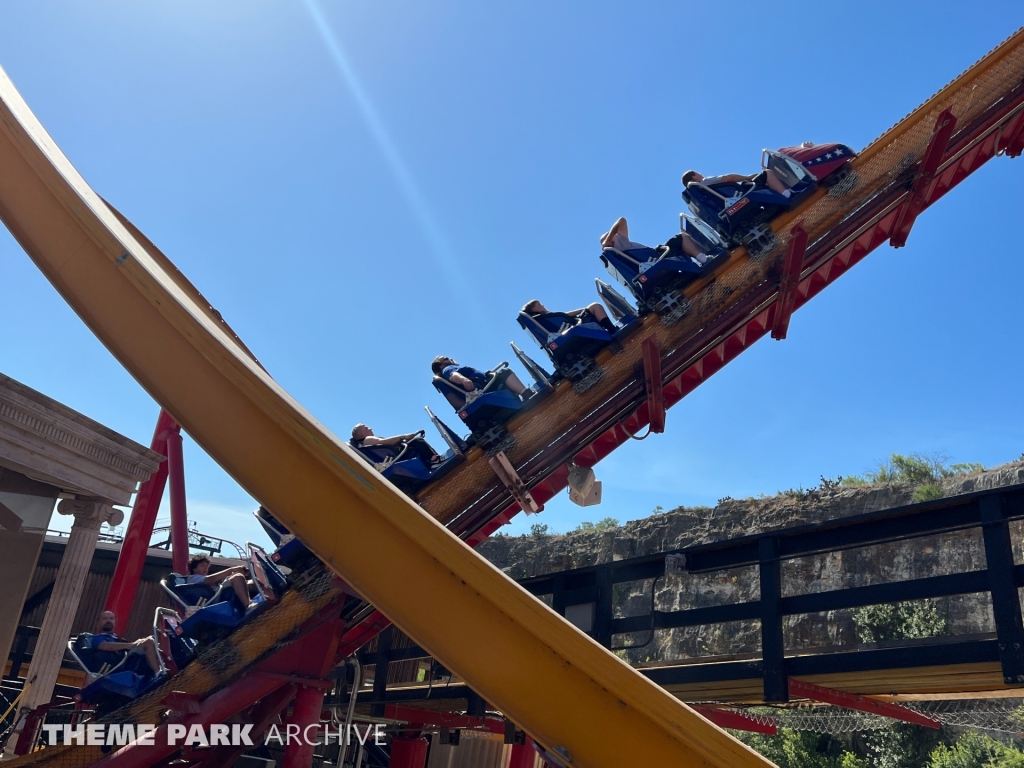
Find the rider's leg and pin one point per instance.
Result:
(241, 589)
(601, 317)
(775, 184)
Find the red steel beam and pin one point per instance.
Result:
(417, 716)
(179, 514)
(791, 269)
(800, 689)
(930, 161)
(654, 384)
(409, 752)
(739, 721)
(1013, 138)
(132, 559)
(262, 716)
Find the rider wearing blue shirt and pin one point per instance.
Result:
(463, 379)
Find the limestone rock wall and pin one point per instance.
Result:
(526, 556)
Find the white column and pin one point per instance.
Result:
(63, 604)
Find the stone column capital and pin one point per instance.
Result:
(90, 511)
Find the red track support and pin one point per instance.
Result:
(179, 513)
(417, 716)
(791, 269)
(1013, 141)
(408, 753)
(800, 689)
(654, 384)
(306, 715)
(262, 715)
(523, 755)
(930, 162)
(216, 709)
(128, 571)
(739, 721)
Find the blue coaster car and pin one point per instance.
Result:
(484, 411)
(410, 465)
(290, 552)
(176, 650)
(741, 211)
(570, 344)
(213, 612)
(655, 277)
(113, 677)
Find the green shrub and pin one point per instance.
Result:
(928, 492)
(975, 750)
(898, 621)
(600, 525)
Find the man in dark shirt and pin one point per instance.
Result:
(466, 380)
(107, 641)
(381, 449)
(555, 322)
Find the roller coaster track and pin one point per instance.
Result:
(976, 117)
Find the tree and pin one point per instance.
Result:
(802, 749)
(538, 529)
(975, 750)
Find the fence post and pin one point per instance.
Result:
(1003, 587)
(776, 684)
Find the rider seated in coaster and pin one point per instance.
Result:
(680, 245)
(466, 379)
(768, 178)
(380, 449)
(199, 573)
(555, 322)
(105, 640)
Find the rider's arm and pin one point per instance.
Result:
(620, 227)
(731, 178)
(372, 440)
(219, 576)
(111, 646)
(459, 380)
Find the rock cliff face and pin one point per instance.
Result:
(525, 556)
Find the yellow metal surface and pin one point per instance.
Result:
(575, 697)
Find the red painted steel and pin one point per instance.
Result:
(739, 721)
(802, 690)
(523, 755)
(654, 385)
(179, 513)
(132, 559)
(791, 269)
(1013, 138)
(306, 715)
(216, 709)
(930, 161)
(408, 753)
(417, 716)
(264, 713)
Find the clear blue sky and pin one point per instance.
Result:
(359, 186)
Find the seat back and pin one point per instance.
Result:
(377, 454)
(453, 393)
(545, 325)
(91, 659)
(189, 595)
(273, 527)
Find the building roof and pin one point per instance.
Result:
(49, 442)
